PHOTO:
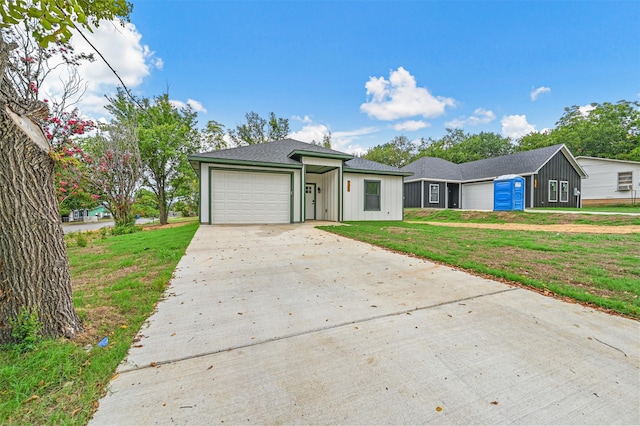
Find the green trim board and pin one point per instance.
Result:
(303, 182)
(211, 169)
(228, 161)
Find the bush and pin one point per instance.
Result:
(81, 239)
(125, 229)
(25, 330)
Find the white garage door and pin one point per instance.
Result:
(478, 196)
(249, 197)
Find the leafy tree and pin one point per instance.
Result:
(34, 268)
(166, 136)
(259, 130)
(115, 170)
(212, 136)
(604, 130)
(146, 203)
(57, 19)
(397, 152)
(459, 147)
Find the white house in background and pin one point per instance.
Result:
(610, 181)
(290, 181)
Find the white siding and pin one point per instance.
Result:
(477, 196)
(391, 189)
(602, 181)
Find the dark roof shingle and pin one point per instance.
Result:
(521, 163)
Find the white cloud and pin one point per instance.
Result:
(340, 141)
(400, 97)
(537, 92)
(195, 105)
(122, 48)
(586, 109)
(516, 126)
(305, 119)
(479, 116)
(411, 125)
(310, 132)
(343, 141)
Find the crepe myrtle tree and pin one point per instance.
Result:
(34, 268)
(115, 170)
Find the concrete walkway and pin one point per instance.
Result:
(292, 325)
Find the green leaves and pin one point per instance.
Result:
(55, 19)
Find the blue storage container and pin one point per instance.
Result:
(508, 193)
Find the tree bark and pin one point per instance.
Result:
(34, 268)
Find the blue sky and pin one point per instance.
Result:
(371, 70)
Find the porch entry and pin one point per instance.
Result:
(310, 201)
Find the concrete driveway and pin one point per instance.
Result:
(292, 325)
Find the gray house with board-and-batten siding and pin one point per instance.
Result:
(553, 178)
(289, 181)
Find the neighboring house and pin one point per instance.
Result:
(610, 181)
(552, 179)
(100, 212)
(290, 181)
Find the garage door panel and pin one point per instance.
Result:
(249, 197)
(477, 196)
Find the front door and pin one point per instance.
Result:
(310, 201)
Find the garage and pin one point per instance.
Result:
(239, 197)
(477, 196)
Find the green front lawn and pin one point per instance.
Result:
(452, 215)
(599, 269)
(117, 282)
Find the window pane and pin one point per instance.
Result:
(372, 195)
(564, 191)
(434, 193)
(553, 190)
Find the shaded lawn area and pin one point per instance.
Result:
(117, 281)
(451, 215)
(599, 269)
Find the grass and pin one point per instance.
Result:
(598, 269)
(624, 208)
(452, 215)
(116, 282)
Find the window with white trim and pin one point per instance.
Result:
(553, 191)
(372, 195)
(625, 181)
(434, 193)
(564, 191)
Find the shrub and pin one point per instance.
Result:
(81, 239)
(25, 330)
(125, 229)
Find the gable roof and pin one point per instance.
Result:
(287, 153)
(521, 163)
(613, 160)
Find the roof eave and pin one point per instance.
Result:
(304, 153)
(376, 172)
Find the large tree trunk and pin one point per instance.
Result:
(34, 268)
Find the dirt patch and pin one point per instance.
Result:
(168, 225)
(570, 228)
(99, 322)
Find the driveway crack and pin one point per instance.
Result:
(314, 330)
